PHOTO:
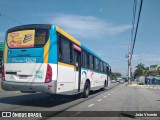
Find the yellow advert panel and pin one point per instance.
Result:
(21, 39)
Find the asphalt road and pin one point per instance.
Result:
(125, 100)
(17, 101)
(118, 97)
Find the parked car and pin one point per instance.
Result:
(113, 81)
(118, 79)
(121, 81)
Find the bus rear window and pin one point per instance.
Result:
(27, 38)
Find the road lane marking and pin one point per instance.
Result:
(105, 96)
(90, 105)
(109, 94)
(100, 100)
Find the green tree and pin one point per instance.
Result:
(115, 75)
(147, 72)
(140, 70)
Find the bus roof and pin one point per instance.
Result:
(29, 26)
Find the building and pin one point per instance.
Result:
(154, 75)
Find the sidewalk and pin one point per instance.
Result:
(145, 86)
(151, 86)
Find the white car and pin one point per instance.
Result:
(113, 81)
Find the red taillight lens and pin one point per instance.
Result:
(48, 74)
(3, 74)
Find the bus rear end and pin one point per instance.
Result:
(28, 66)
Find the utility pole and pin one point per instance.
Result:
(129, 64)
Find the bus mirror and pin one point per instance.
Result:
(76, 66)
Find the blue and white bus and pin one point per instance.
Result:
(44, 58)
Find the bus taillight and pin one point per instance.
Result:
(3, 74)
(48, 74)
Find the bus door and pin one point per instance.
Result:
(77, 63)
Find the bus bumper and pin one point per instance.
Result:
(30, 87)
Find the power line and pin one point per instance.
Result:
(133, 19)
(131, 49)
(136, 28)
(12, 19)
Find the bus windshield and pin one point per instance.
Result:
(27, 38)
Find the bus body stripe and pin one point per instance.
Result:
(46, 51)
(5, 53)
(67, 65)
(68, 36)
(52, 58)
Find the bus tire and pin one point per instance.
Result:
(86, 90)
(105, 84)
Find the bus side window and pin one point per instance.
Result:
(90, 61)
(96, 64)
(71, 53)
(93, 63)
(60, 47)
(107, 69)
(87, 60)
(101, 66)
(84, 59)
(66, 50)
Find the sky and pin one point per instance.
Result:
(104, 26)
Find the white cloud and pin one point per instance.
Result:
(119, 29)
(147, 59)
(87, 26)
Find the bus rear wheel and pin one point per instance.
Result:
(105, 85)
(86, 90)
